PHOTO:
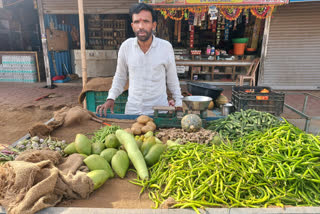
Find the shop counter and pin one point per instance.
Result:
(212, 64)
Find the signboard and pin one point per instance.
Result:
(292, 1)
(208, 2)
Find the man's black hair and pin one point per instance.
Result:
(137, 8)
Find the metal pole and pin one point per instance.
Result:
(82, 45)
(44, 44)
(305, 103)
(307, 125)
(264, 49)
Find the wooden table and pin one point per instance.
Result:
(212, 64)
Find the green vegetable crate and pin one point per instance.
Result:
(166, 120)
(95, 98)
(248, 97)
(169, 119)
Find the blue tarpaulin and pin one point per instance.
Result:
(62, 58)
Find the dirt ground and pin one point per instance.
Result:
(116, 192)
(19, 111)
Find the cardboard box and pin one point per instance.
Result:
(57, 40)
(181, 69)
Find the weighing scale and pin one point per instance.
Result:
(168, 117)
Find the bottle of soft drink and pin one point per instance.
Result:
(212, 50)
(208, 50)
(217, 54)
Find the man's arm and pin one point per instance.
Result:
(121, 76)
(172, 78)
(118, 83)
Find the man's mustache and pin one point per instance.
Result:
(142, 31)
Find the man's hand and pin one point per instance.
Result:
(102, 109)
(171, 103)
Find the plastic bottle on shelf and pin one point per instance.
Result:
(212, 50)
(208, 50)
(218, 54)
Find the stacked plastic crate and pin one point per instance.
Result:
(18, 68)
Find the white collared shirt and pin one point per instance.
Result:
(149, 75)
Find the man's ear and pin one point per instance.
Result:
(154, 26)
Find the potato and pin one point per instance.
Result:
(136, 130)
(152, 124)
(146, 128)
(137, 125)
(129, 130)
(143, 119)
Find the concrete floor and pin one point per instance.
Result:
(72, 210)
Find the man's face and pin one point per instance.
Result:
(142, 25)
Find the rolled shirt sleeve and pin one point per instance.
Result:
(121, 75)
(172, 78)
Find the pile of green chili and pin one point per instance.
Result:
(278, 167)
(243, 123)
(100, 135)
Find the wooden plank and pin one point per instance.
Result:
(83, 46)
(37, 64)
(213, 63)
(163, 108)
(134, 116)
(44, 44)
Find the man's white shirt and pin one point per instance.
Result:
(149, 76)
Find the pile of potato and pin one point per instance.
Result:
(142, 125)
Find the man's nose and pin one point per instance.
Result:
(141, 25)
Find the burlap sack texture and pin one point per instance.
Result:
(41, 179)
(76, 115)
(98, 84)
(64, 117)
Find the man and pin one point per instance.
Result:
(149, 64)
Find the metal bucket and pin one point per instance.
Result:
(197, 103)
(227, 109)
